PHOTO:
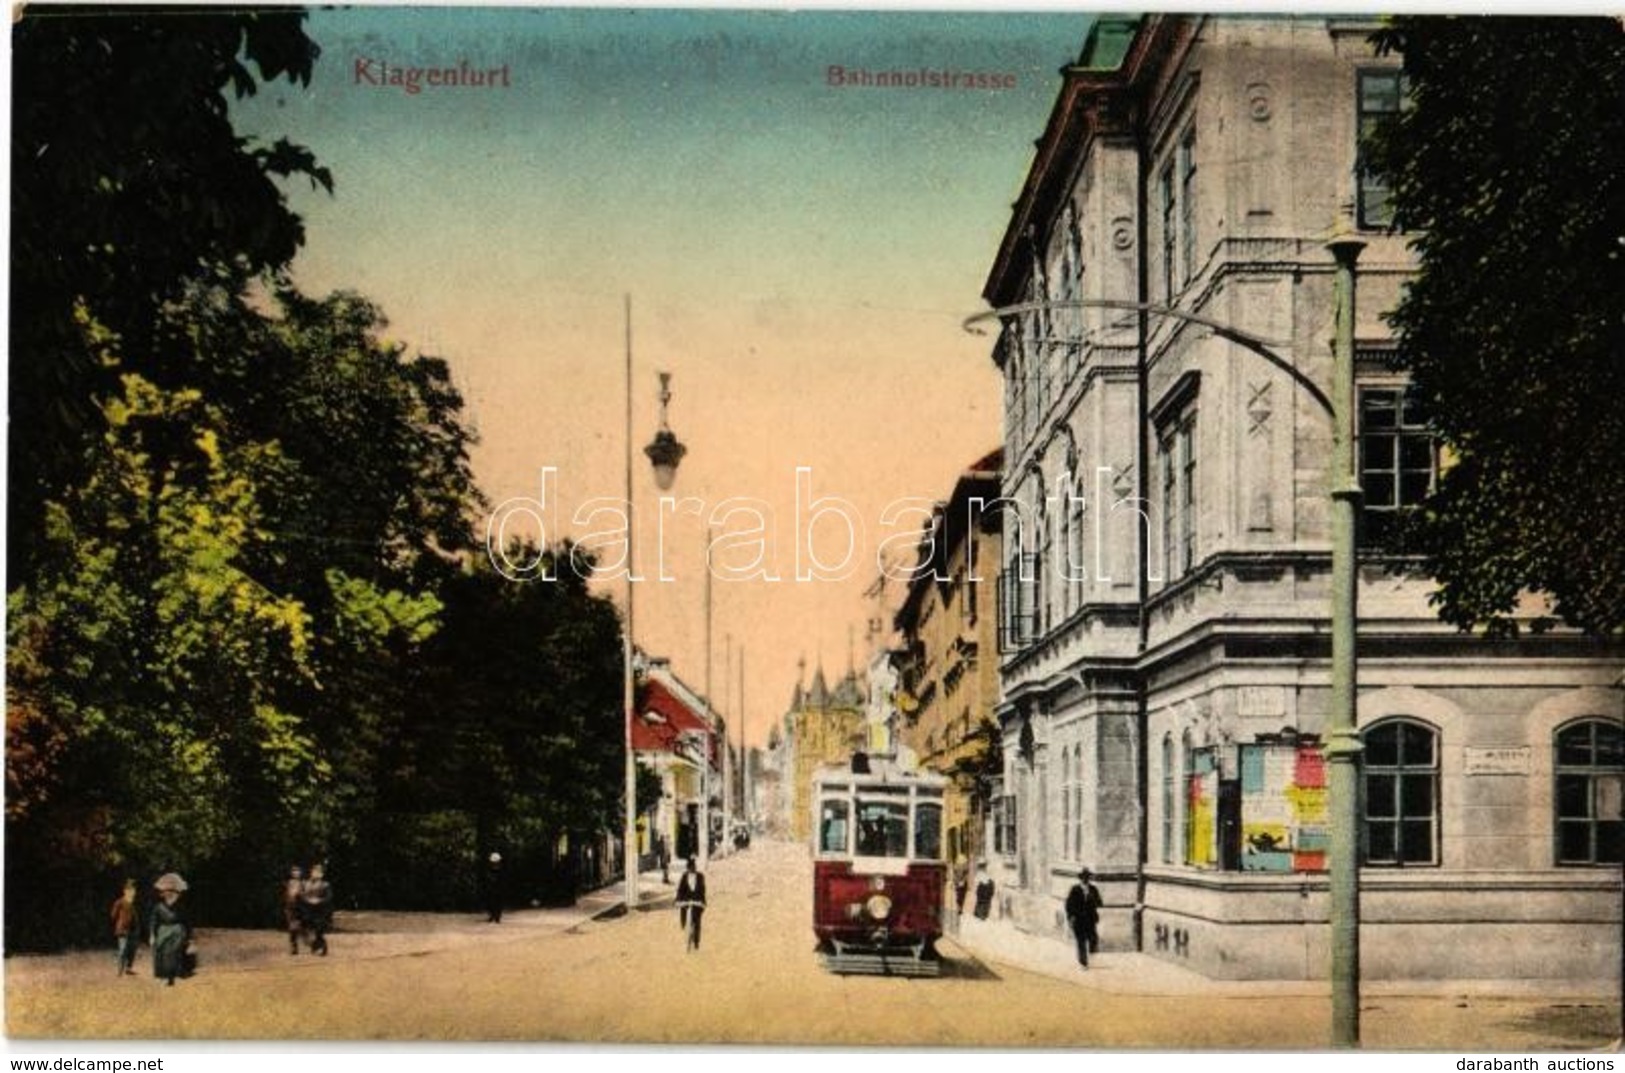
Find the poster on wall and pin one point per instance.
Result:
(1283, 808)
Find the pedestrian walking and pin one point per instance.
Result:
(171, 935)
(984, 892)
(492, 884)
(961, 882)
(126, 920)
(293, 913)
(691, 903)
(1083, 914)
(316, 906)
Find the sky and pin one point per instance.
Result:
(800, 255)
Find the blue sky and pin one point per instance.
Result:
(799, 255)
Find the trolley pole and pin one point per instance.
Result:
(1343, 748)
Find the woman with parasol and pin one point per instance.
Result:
(169, 932)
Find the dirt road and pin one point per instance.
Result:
(628, 979)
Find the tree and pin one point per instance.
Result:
(1508, 171)
(128, 184)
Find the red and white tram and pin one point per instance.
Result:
(878, 871)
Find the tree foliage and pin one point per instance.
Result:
(1508, 171)
(247, 622)
(128, 183)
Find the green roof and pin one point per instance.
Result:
(1108, 41)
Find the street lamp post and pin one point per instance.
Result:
(1343, 749)
(1343, 745)
(665, 452)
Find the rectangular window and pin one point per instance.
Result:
(1381, 94)
(1170, 783)
(1187, 511)
(1187, 206)
(1017, 611)
(1004, 830)
(1398, 461)
(1166, 186)
(1177, 461)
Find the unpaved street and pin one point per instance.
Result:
(628, 979)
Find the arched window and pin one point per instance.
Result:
(1066, 799)
(1170, 794)
(1401, 794)
(1590, 770)
(1077, 803)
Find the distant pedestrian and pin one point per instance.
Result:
(665, 859)
(492, 884)
(1083, 914)
(293, 910)
(961, 882)
(316, 903)
(691, 903)
(126, 920)
(171, 934)
(984, 892)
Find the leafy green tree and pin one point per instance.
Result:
(149, 656)
(1508, 170)
(128, 183)
(514, 719)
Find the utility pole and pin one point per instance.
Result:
(750, 809)
(710, 727)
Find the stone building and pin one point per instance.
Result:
(949, 663)
(822, 726)
(1165, 673)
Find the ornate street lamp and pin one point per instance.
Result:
(665, 452)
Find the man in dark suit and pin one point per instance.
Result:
(1083, 914)
(691, 903)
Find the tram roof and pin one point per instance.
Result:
(882, 770)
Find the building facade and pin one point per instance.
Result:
(1165, 669)
(948, 665)
(822, 726)
(680, 739)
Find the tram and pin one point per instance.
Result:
(878, 871)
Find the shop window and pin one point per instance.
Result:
(1202, 808)
(1590, 770)
(1401, 767)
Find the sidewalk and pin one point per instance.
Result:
(1130, 973)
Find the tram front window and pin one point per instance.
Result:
(882, 829)
(832, 827)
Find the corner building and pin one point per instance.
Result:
(1164, 617)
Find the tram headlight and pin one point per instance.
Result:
(878, 906)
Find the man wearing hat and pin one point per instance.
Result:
(1083, 914)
